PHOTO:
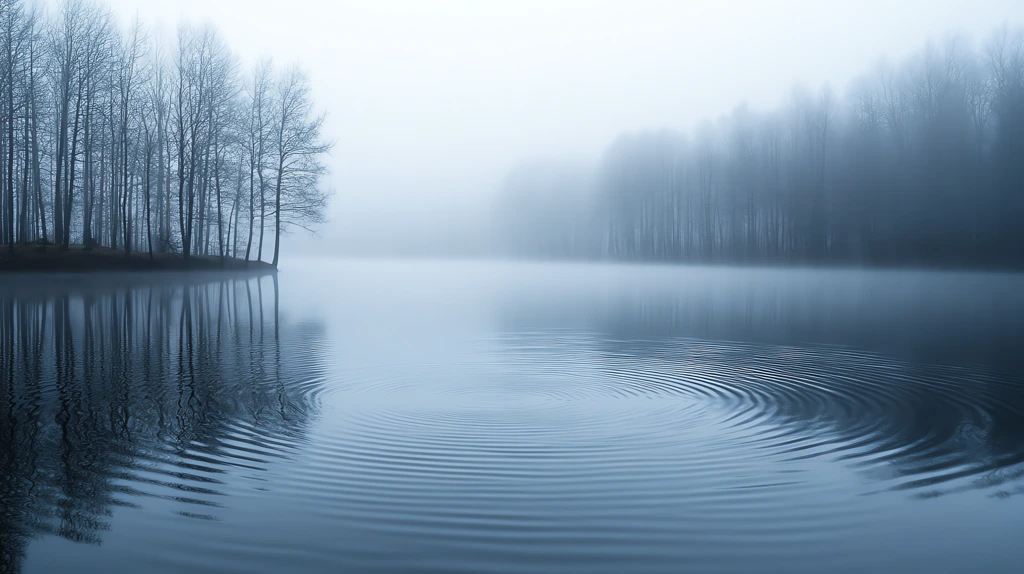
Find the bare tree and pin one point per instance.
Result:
(97, 126)
(299, 146)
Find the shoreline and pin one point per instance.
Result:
(43, 259)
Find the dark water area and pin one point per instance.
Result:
(496, 417)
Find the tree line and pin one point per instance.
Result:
(111, 138)
(919, 162)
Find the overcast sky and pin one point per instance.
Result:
(431, 102)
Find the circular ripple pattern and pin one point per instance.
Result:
(237, 444)
(928, 424)
(586, 453)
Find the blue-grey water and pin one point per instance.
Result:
(371, 416)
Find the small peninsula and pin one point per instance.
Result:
(78, 259)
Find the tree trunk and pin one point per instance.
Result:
(70, 186)
(277, 210)
(149, 226)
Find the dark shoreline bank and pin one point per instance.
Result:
(78, 259)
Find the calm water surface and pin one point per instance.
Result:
(489, 417)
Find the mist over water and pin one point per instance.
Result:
(543, 286)
(441, 416)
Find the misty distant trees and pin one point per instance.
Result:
(112, 138)
(919, 162)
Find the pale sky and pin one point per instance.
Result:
(431, 102)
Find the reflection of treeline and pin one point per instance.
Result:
(147, 386)
(919, 162)
(935, 317)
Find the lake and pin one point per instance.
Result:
(390, 416)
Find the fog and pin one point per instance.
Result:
(511, 286)
(432, 104)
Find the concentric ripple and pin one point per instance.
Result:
(577, 450)
(199, 427)
(908, 426)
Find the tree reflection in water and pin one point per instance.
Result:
(121, 390)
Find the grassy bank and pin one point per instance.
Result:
(78, 259)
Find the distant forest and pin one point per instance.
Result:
(109, 137)
(919, 163)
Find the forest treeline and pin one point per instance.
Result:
(919, 162)
(111, 137)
